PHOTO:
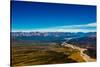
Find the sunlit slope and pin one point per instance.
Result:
(35, 55)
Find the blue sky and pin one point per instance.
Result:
(47, 17)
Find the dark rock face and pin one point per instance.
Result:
(84, 42)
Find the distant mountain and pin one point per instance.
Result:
(49, 36)
(56, 34)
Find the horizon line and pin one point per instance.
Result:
(55, 31)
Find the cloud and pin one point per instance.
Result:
(65, 30)
(91, 27)
(78, 26)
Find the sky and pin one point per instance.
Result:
(52, 17)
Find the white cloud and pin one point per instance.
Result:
(70, 28)
(78, 26)
(91, 25)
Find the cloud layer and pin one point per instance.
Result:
(91, 27)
